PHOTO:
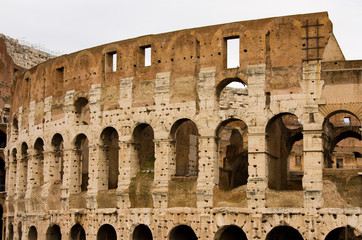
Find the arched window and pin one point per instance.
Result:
(53, 233)
(284, 142)
(77, 233)
(230, 232)
(82, 113)
(142, 232)
(284, 232)
(185, 134)
(58, 161)
(82, 155)
(33, 234)
(182, 232)
(233, 153)
(110, 156)
(344, 233)
(39, 159)
(106, 232)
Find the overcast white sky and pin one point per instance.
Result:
(72, 25)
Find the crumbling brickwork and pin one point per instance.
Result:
(114, 143)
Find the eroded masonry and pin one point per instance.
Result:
(182, 135)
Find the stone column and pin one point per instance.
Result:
(30, 179)
(208, 171)
(93, 182)
(164, 149)
(71, 177)
(126, 172)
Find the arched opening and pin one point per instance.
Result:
(82, 156)
(143, 144)
(82, 112)
(142, 232)
(15, 129)
(2, 175)
(39, 159)
(231, 93)
(185, 134)
(110, 156)
(1, 221)
(2, 139)
(32, 234)
(233, 154)
(284, 145)
(106, 232)
(53, 233)
(342, 147)
(20, 230)
(77, 233)
(342, 138)
(11, 231)
(230, 232)
(143, 161)
(23, 169)
(284, 233)
(182, 232)
(344, 233)
(58, 162)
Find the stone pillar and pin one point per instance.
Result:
(125, 174)
(257, 149)
(31, 178)
(312, 85)
(164, 167)
(93, 169)
(71, 177)
(208, 171)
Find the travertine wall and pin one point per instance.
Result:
(68, 112)
(24, 56)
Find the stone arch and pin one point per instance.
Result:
(222, 84)
(53, 233)
(197, 36)
(184, 132)
(232, 140)
(344, 233)
(11, 231)
(15, 129)
(2, 139)
(283, 139)
(142, 138)
(2, 175)
(1, 221)
(109, 157)
(81, 144)
(338, 127)
(230, 232)
(58, 156)
(182, 232)
(106, 232)
(142, 232)
(32, 234)
(353, 108)
(81, 109)
(230, 30)
(284, 233)
(39, 159)
(77, 232)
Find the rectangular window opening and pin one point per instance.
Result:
(347, 121)
(233, 52)
(111, 62)
(339, 163)
(147, 53)
(298, 161)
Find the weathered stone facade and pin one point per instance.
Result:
(107, 145)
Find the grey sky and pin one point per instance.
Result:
(72, 25)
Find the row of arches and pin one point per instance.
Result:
(185, 232)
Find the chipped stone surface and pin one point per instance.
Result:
(110, 149)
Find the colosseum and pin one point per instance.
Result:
(245, 130)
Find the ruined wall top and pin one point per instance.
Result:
(24, 56)
(280, 43)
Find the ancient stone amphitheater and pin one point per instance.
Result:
(153, 138)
